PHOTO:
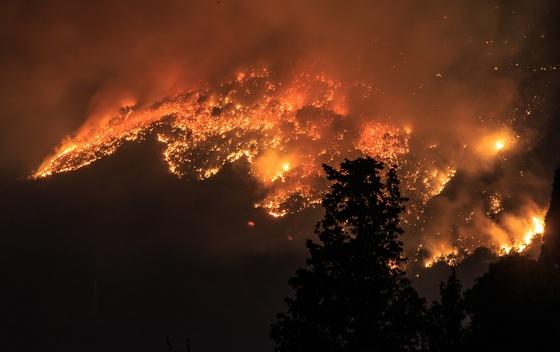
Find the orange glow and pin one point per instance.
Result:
(271, 167)
(495, 143)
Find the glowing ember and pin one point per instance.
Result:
(495, 204)
(383, 141)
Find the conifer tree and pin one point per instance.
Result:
(353, 294)
(447, 316)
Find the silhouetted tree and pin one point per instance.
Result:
(514, 307)
(446, 317)
(353, 294)
(171, 346)
(550, 252)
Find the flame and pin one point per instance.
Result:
(525, 230)
(537, 229)
(440, 179)
(443, 253)
(538, 225)
(500, 144)
(513, 234)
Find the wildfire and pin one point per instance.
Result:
(285, 129)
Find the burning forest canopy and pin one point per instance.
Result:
(455, 96)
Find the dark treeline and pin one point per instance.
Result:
(353, 294)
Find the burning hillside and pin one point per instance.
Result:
(286, 128)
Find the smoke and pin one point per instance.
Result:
(469, 81)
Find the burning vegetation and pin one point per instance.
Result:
(285, 129)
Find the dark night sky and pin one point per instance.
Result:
(121, 254)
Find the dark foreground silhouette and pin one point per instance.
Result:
(353, 294)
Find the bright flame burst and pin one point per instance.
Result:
(534, 228)
(500, 144)
(495, 143)
(285, 129)
(512, 234)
